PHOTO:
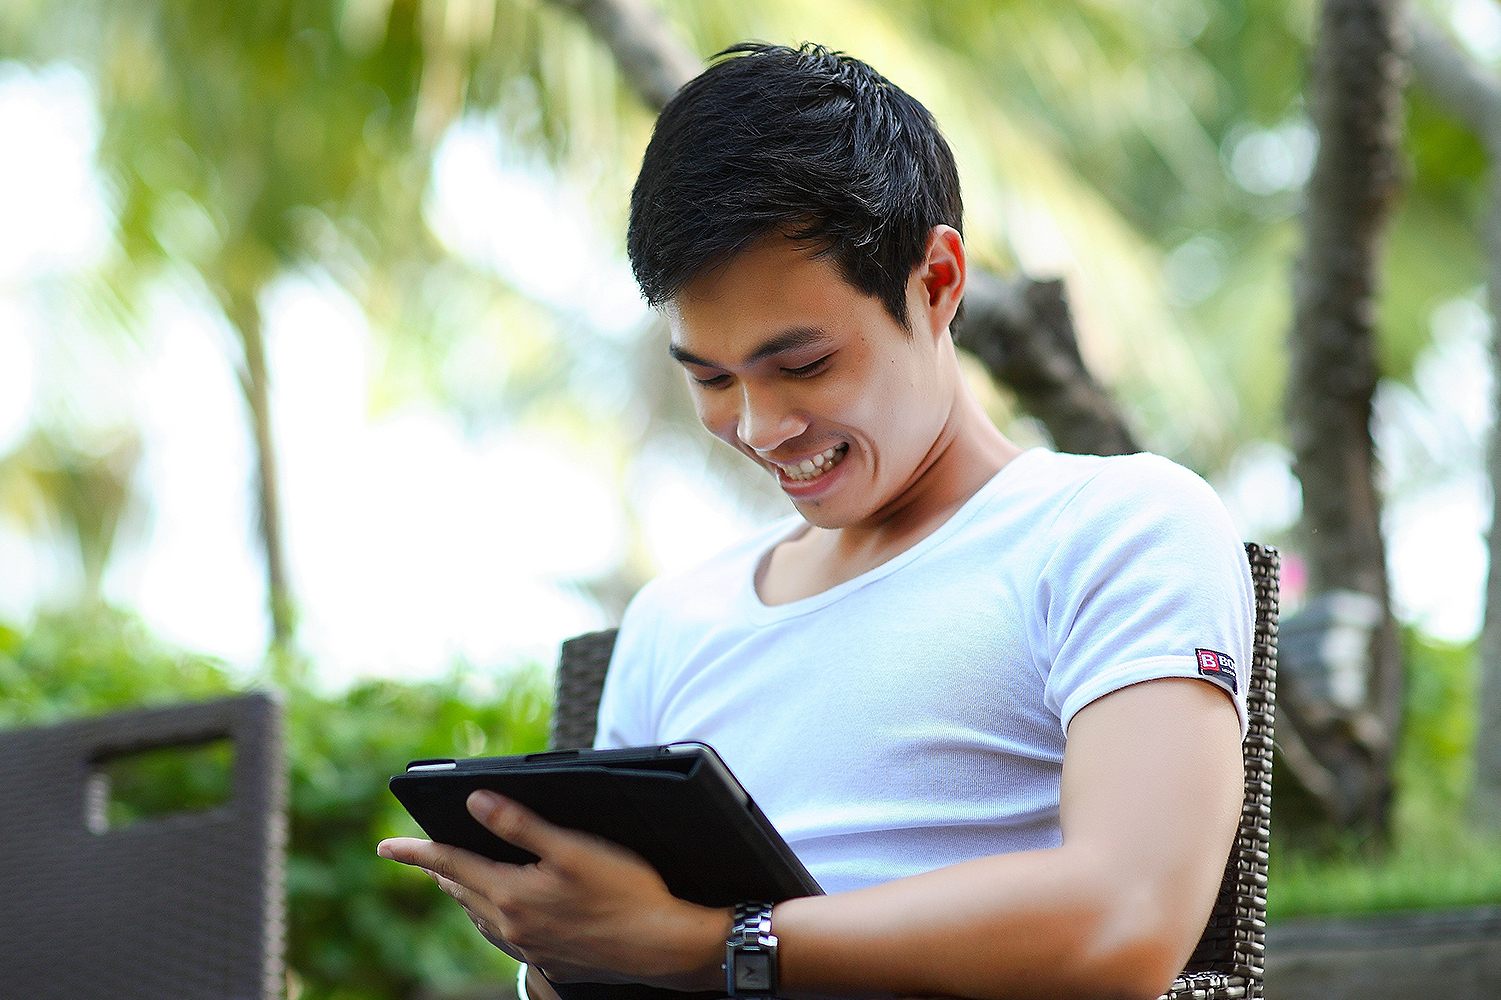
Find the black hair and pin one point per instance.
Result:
(807, 142)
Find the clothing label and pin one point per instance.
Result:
(1217, 666)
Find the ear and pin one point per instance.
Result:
(940, 279)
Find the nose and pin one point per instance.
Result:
(765, 421)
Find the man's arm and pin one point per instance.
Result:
(1151, 797)
(1152, 790)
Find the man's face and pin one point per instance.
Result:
(813, 380)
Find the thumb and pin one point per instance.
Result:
(513, 822)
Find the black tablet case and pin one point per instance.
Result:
(678, 807)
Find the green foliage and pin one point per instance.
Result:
(1447, 868)
(359, 928)
(166, 780)
(1434, 767)
(1447, 159)
(1434, 859)
(1433, 255)
(94, 660)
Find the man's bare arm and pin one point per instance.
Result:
(1151, 795)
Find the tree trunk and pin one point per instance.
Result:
(1023, 333)
(649, 54)
(245, 316)
(1020, 329)
(1355, 103)
(1474, 96)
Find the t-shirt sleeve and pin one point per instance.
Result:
(625, 715)
(1145, 577)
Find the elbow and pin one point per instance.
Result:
(1134, 953)
(1138, 970)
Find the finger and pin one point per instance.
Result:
(404, 849)
(492, 932)
(452, 863)
(495, 938)
(461, 893)
(476, 903)
(515, 823)
(489, 921)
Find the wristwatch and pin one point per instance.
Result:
(750, 954)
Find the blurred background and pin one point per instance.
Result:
(322, 368)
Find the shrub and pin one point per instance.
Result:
(359, 927)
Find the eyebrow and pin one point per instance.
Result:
(787, 340)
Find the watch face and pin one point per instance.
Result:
(752, 971)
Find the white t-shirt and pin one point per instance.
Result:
(915, 716)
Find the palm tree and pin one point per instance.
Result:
(247, 140)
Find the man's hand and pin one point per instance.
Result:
(587, 911)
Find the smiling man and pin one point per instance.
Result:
(992, 698)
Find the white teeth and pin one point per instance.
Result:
(812, 468)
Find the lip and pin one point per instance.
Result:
(809, 489)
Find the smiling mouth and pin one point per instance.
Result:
(812, 468)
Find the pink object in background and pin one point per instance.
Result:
(1294, 583)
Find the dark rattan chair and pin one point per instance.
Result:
(1228, 961)
(181, 906)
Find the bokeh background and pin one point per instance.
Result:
(380, 244)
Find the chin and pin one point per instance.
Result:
(823, 516)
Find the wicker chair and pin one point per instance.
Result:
(184, 906)
(1228, 961)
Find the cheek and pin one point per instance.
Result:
(896, 406)
(716, 411)
(886, 392)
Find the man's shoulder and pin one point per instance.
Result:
(1151, 486)
(1063, 508)
(1143, 516)
(1044, 491)
(1049, 470)
(1094, 483)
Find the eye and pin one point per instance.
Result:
(717, 382)
(809, 369)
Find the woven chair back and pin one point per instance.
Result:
(181, 906)
(1229, 959)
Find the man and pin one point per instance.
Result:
(1022, 674)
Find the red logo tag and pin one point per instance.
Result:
(1217, 666)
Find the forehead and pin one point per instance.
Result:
(766, 290)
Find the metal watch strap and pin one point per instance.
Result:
(750, 954)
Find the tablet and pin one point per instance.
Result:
(677, 806)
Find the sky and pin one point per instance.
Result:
(414, 540)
